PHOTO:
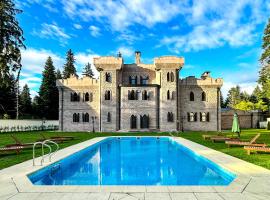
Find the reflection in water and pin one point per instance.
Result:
(131, 161)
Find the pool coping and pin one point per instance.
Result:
(244, 171)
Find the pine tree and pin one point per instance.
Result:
(87, 71)
(25, 101)
(58, 74)
(256, 95)
(11, 41)
(48, 92)
(69, 67)
(265, 57)
(234, 96)
(222, 103)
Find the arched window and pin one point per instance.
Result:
(172, 77)
(76, 117)
(109, 119)
(204, 117)
(191, 96)
(144, 121)
(132, 95)
(86, 96)
(192, 117)
(168, 76)
(133, 122)
(133, 80)
(144, 95)
(108, 95)
(168, 94)
(203, 96)
(85, 117)
(74, 96)
(144, 80)
(170, 117)
(108, 77)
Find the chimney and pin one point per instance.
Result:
(137, 57)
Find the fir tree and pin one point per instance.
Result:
(58, 74)
(265, 57)
(25, 101)
(256, 95)
(69, 67)
(222, 103)
(11, 41)
(87, 71)
(48, 92)
(234, 96)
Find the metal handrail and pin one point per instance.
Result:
(42, 146)
(57, 147)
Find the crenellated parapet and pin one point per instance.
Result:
(74, 81)
(203, 81)
(108, 63)
(168, 62)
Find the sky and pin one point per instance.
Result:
(223, 37)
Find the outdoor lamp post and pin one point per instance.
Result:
(182, 123)
(93, 121)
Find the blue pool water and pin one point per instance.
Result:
(133, 161)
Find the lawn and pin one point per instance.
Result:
(262, 159)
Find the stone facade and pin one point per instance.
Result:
(139, 97)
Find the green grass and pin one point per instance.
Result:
(261, 159)
(9, 159)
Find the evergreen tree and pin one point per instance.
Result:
(265, 57)
(234, 96)
(222, 103)
(25, 101)
(58, 74)
(256, 95)
(244, 96)
(48, 92)
(87, 71)
(69, 67)
(11, 41)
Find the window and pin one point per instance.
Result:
(192, 117)
(74, 96)
(170, 117)
(204, 117)
(109, 119)
(144, 121)
(168, 76)
(133, 80)
(133, 122)
(172, 77)
(108, 77)
(144, 95)
(191, 96)
(108, 95)
(86, 96)
(76, 117)
(168, 94)
(132, 95)
(144, 80)
(85, 117)
(203, 96)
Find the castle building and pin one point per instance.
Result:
(139, 97)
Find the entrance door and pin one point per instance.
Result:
(144, 121)
(133, 122)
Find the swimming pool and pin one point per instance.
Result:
(133, 161)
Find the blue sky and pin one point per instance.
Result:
(223, 37)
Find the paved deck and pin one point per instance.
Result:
(252, 182)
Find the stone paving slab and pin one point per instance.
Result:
(252, 182)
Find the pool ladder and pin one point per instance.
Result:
(50, 154)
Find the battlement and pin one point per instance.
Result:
(206, 81)
(108, 63)
(169, 62)
(75, 81)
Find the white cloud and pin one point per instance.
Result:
(123, 13)
(94, 31)
(247, 87)
(77, 26)
(53, 31)
(82, 59)
(125, 51)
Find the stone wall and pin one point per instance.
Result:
(246, 119)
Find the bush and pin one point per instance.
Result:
(268, 125)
